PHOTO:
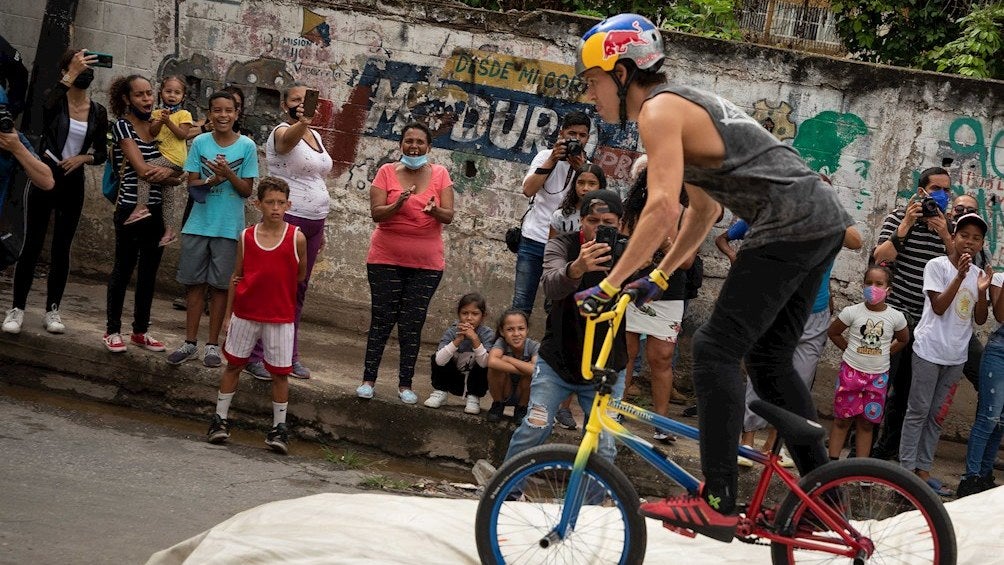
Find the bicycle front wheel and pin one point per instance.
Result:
(902, 519)
(523, 503)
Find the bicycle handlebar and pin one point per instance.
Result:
(615, 315)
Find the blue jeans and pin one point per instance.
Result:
(988, 429)
(547, 390)
(529, 268)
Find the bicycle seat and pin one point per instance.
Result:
(792, 427)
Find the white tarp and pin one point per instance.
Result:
(382, 528)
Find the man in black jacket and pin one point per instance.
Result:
(572, 262)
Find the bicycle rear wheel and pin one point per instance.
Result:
(902, 517)
(524, 500)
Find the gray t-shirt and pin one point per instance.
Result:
(762, 180)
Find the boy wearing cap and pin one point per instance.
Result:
(572, 261)
(955, 295)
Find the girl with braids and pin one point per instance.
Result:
(661, 323)
(588, 177)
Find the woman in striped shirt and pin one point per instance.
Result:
(131, 99)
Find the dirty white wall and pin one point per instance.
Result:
(493, 87)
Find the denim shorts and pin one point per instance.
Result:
(206, 260)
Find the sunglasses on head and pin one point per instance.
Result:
(598, 206)
(960, 210)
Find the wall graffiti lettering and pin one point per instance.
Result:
(485, 118)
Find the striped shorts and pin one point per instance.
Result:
(276, 339)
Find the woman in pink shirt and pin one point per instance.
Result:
(410, 200)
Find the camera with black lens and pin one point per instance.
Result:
(929, 208)
(573, 148)
(616, 241)
(6, 120)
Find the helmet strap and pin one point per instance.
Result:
(622, 90)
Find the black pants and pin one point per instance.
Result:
(65, 201)
(760, 315)
(456, 382)
(136, 248)
(399, 296)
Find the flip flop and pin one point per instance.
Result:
(168, 241)
(938, 488)
(132, 220)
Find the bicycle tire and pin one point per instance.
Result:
(524, 500)
(876, 497)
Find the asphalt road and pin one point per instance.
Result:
(89, 483)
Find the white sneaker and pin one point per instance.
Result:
(786, 460)
(744, 462)
(436, 399)
(52, 322)
(12, 323)
(473, 404)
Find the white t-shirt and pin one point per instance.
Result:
(547, 199)
(304, 168)
(944, 339)
(869, 336)
(563, 223)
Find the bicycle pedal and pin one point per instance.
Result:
(679, 530)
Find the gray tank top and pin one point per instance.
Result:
(762, 180)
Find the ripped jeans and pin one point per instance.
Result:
(547, 390)
(988, 429)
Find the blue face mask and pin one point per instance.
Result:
(941, 199)
(414, 162)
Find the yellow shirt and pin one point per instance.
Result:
(172, 147)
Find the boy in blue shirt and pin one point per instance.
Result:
(221, 167)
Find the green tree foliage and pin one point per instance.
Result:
(977, 51)
(960, 36)
(710, 18)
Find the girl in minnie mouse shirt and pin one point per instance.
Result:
(876, 331)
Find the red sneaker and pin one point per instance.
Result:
(146, 341)
(114, 343)
(692, 512)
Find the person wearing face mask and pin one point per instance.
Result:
(74, 134)
(876, 331)
(295, 153)
(410, 201)
(908, 240)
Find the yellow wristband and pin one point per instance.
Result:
(608, 288)
(660, 278)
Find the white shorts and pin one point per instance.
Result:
(277, 340)
(664, 325)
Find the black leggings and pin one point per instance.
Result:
(66, 200)
(760, 315)
(454, 381)
(136, 248)
(399, 295)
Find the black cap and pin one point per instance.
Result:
(604, 198)
(971, 218)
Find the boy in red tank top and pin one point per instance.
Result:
(271, 260)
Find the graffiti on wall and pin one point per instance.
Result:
(822, 138)
(775, 118)
(489, 105)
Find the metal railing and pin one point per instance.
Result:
(799, 24)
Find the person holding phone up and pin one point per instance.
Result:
(294, 153)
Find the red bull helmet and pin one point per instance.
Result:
(624, 36)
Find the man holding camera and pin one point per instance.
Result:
(549, 177)
(910, 236)
(16, 152)
(572, 262)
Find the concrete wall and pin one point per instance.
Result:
(493, 87)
